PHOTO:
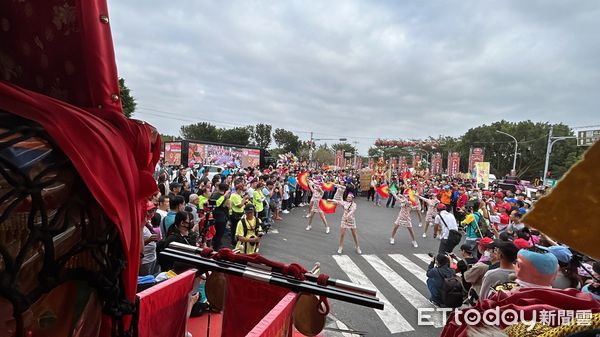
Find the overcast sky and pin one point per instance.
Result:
(360, 69)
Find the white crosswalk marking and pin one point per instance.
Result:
(402, 286)
(424, 257)
(392, 319)
(410, 266)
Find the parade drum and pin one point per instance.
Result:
(309, 315)
(60, 257)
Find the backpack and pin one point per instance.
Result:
(245, 224)
(482, 226)
(452, 292)
(257, 230)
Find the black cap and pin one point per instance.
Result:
(249, 208)
(467, 247)
(508, 249)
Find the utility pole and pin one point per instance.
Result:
(548, 150)
(310, 149)
(355, 151)
(551, 141)
(514, 169)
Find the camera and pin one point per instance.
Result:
(207, 221)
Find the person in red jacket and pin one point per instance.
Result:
(462, 198)
(461, 202)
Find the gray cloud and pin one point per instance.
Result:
(360, 69)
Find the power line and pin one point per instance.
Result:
(174, 116)
(187, 119)
(201, 119)
(585, 127)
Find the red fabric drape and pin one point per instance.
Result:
(278, 322)
(163, 308)
(113, 156)
(247, 302)
(62, 49)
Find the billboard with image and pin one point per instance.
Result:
(196, 154)
(173, 153)
(190, 153)
(222, 155)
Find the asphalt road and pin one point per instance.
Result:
(394, 270)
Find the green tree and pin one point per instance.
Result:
(532, 139)
(200, 131)
(388, 152)
(127, 101)
(373, 151)
(168, 138)
(207, 132)
(237, 136)
(261, 135)
(323, 155)
(345, 147)
(287, 141)
(303, 151)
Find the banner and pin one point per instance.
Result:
(436, 163)
(250, 158)
(475, 156)
(403, 164)
(416, 161)
(394, 163)
(339, 157)
(453, 164)
(482, 173)
(371, 163)
(173, 153)
(359, 164)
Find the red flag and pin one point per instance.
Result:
(327, 206)
(303, 180)
(328, 187)
(384, 191)
(411, 197)
(406, 175)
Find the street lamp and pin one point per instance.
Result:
(355, 151)
(312, 140)
(551, 141)
(427, 154)
(514, 169)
